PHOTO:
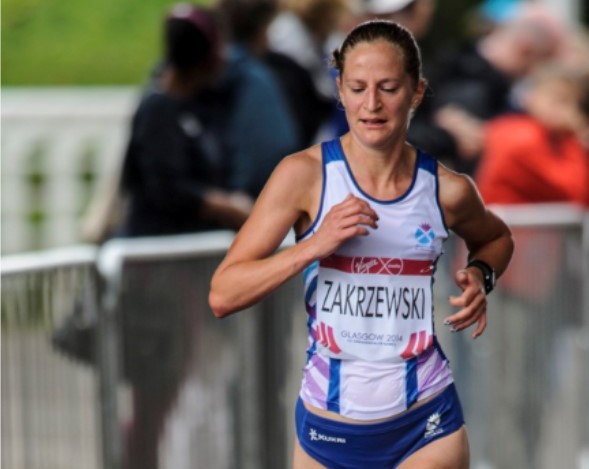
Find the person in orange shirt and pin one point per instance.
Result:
(543, 155)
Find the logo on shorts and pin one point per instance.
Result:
(432, 426)
(314, 435)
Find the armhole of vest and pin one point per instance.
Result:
(438, 347)
(437, 184)
(321, 200)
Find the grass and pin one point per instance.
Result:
(115, 42)
(73, 42)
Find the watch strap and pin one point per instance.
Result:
(487, 271)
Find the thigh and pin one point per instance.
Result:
(449, 452)
(301, 460)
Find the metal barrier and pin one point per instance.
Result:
(49, 413)
(521, 382)
(208, 393)
(196, 392)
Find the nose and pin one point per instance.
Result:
(372, 100)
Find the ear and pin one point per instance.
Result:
(340, 94)
(419, 93)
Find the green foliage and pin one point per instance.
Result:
(72, 42)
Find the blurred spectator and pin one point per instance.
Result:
(259, 128)
(489, 14)
(302, 32)
(473, 83)
(574, 53)
(540, 156)
(173, 170)
(248, 21)
(415, 15)
(174, 178)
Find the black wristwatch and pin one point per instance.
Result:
(489, 276)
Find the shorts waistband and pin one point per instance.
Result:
(406, 418)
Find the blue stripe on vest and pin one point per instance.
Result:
(310, 290)
(309, 270)
(427, 162)
(312, 349)
(334, 385)
(331, 151)
(411, 381)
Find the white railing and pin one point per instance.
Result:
(59, 146)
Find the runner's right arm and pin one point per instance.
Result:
(251, 270)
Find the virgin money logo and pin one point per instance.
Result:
(377, 265)
(362, 266)
(394, 266)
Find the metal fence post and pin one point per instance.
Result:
(108, 352)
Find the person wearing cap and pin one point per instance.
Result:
(173, 171)
(173, 180)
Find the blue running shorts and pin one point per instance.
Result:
(340, 445)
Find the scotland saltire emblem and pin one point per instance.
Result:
(424, 234)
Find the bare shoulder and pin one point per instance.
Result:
(283, 204)
(297, 176)
(303, 164)
(458, 195)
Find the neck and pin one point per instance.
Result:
(379, 168)
(387, 155)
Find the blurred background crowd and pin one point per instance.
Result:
(239, 84)
(243, 83)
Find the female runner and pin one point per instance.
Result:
(371, 213)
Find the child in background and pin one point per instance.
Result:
(543, 155)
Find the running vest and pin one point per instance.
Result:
(372, 346)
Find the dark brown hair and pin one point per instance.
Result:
(190, 37)
(389, 31)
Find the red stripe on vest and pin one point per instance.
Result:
(333, 345)
(378, 265)
(408, 352)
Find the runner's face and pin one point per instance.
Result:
(377, 93)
